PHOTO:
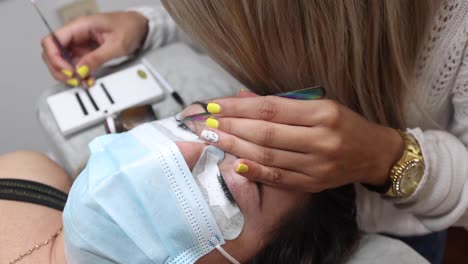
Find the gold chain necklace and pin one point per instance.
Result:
(36, 247)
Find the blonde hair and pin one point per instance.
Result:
(362, 51)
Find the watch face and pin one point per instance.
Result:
(412, 176)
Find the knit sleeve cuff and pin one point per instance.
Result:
(442, 190)
(161, 27)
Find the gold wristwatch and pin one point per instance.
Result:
(406, 174)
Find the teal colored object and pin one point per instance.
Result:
(312, 93)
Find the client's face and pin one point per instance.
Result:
(263, 207)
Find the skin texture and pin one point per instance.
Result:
(94, 40)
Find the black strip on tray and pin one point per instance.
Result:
(80, 102)
(111, 100)
(92, 100)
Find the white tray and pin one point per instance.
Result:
(75, 109)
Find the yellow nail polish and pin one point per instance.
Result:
(211, 122)
(242, 168)
(67, 73)
(73, 82)
(83, 71)
(243, 90)
(213, 108)
(90, 82)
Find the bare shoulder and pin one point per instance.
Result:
(24, 225)
(34, 166)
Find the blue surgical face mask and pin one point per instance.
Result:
(137, 202)
(206, 173)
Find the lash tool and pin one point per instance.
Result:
(311, 93)
(62, 49)
(163, 82)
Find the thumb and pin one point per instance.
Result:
(96, 58)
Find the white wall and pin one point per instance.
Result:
(23, 76)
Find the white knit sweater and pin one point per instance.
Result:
(438, 119)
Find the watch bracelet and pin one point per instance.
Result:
(410, 142)
(396, 171)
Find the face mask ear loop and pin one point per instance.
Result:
(226, 255)
(110, 125)
(215, 242)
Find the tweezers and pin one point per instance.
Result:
(311, 93)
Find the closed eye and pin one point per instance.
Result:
(226, 190)
(183, 126)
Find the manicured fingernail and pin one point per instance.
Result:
(73, 82)
(213, 108)
(67, 73)
(210, 136)
(243, 90)
(83, 71)
(242, 168)
(212, 123)
(91, 82)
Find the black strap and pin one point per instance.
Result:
(383, 189)
(32, 192)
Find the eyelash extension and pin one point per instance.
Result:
(181, 124)
(226, 190)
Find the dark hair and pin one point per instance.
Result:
(323, 231)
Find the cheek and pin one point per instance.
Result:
(280, 203)
(256, 234)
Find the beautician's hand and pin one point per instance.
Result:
(304, 145)
(92, 41)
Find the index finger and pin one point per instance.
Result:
(270, 108)
(53, 55)
(66, 35)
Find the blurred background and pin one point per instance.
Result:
(23, 75)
